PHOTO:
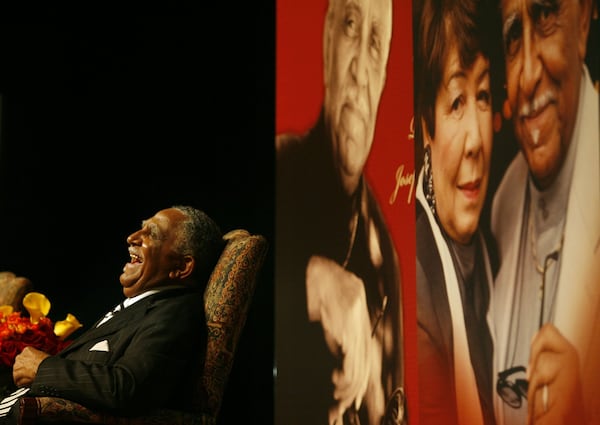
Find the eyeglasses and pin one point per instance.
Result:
(512, 391)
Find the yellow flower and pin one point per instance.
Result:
(37, 305)
(6, 309)
(64, 328)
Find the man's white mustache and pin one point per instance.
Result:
(532, 107)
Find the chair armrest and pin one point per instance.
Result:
(34, 410)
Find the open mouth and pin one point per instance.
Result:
(135, 258)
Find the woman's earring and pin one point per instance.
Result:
(428, 179)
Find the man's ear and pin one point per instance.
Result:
(184, 268)
(585, 16)
(327, 36)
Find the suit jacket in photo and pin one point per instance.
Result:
(454, 367)
(312, 219)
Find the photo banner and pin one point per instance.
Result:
(389, 171)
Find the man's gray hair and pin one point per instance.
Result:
(200, 237)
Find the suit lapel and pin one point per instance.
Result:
(505, 283)
(119, 321)
(123, 320)
(577, 294)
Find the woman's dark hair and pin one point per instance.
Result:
(472, 26)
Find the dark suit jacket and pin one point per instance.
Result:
(437, 394)
(434, 332)
(146, 356)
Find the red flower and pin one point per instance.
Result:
(34, 330)
(18, 332)
(9, 349)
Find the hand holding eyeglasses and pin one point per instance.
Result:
(555, 390)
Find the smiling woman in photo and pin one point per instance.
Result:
(454, 278)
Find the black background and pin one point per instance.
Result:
(107, 118)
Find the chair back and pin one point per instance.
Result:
(13, 288)
(227, 298)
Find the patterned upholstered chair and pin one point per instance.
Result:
(227, 299)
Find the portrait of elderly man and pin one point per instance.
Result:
(339, 335)
(546, 218)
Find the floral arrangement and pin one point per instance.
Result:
(18, 331)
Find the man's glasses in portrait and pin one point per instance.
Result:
(513, 390)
